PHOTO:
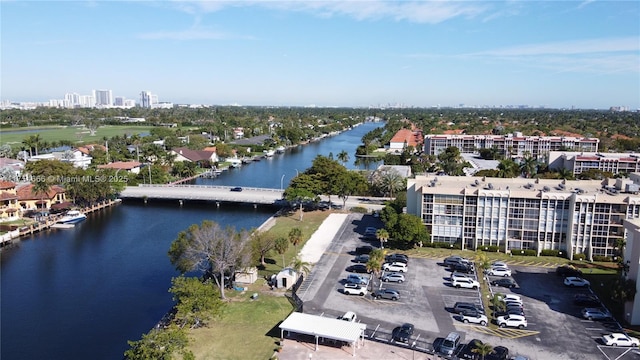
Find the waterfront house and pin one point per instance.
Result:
(197, 156)
(405, 138)
(132, 167)
(9, 209)
(29, 199)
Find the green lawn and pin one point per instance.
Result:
(247, 330)
(76, 134)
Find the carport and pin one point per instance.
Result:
(323, 327)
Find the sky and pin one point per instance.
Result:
(556, 54)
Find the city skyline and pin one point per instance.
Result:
(582, 54)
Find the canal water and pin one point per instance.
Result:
(81, 293)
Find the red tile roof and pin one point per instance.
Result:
(26, 192)
(194, 155)
(4, 185)
(121, 165)
(412, 138)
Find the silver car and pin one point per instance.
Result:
(393, 277)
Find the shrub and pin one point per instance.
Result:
(359, 209)
(489, 248)
(579, 256)
(548, 252)
(530, 252)
(602, 258)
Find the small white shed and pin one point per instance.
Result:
(247, 275)
(286, 278)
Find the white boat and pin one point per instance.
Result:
(72, 217)
(280, 149)
(269, 153)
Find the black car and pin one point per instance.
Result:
(236, 189)
(359, 268)
(498, 353)
(505, 282)
(568, 270)
(362, 258)
(461, 307)
(462, 268)
(397, 258)
(512, 310)
(364, 249)
(586, 300)
(455, 259)
(403, 333)
(467, 350)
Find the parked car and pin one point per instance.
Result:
(403, 333)
(461, 307)
(462, 268)
(364, 249)
(619, 339)
(455, 259)
(514, 310)
(393, 277)
(459, 275)
(348, 316)
(507, 298)
(497, 271)
(354, 289)
(449, 344)
(573, 281)
(466, 283)
(358, 268)
(498, 353)
(397, 258)
(505, 282)
(468, 352)
(396, 267)
(362, 258)
(596, 314)
(370, 232)
(386, 294)
(518, 321)
(358, 279)
(586, 300)
(568, 270)
(236, 189)
(474, 318)
(499, 264)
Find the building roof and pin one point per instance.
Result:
(10, 162)
(194, 155)
(412, 138)
(121, 165)
(26, 192)
(86, 149)
(4, 185)
(323, 327)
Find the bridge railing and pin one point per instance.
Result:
(209, 187)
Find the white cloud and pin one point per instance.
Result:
(413, 11)
(190, 34)
(569, 47)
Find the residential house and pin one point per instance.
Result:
(132, 167)
(75, 157)
(405, 138)
(197, 156)
(28, 199)
(9, 209)
(15, 165)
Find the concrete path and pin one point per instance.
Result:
(322, 238)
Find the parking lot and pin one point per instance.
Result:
(556, 329)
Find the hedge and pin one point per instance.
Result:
(489, 248)
(602, 258)
(579, 256)
(548, 252)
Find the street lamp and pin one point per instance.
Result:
(281, 181)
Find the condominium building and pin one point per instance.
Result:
(148, 100)
(515, 145)
(578, 162)
(517, 214)
(103, 97)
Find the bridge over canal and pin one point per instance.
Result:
(248, 195)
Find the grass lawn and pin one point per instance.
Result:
(311, 221)
(248, 329)
(77, 134)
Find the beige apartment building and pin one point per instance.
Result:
(516, 214)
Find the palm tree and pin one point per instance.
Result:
(343, 156)
(383, 236)
(300, 267)
(507, 168)
(529, 166)
(483, 349)
(295, 236)
(281, 246)
(374, 265)
(389, 181)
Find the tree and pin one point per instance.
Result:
(497, 304)
(295, 236)
(350, 183)
(303, 187)
(197, 301)
(6, 150)
(450, 161)
(158, 344)
(300, 266)
(281, 245)
(261, 244)
(343, 156)
(508, 168)
(529, 166)
(409, 230)
(374, 265)
(328, 173)
(383, 236)
(388, 181)
(208, 247)
(483, 349)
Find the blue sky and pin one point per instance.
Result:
(557, 54)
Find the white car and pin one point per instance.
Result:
(511, 298)
(499, 264)
(619, 339)
(474, 319)
(465, 283)
(395, 267)
(517, 321)
(457, 275)
(496, 271)
(573, 281)
(348, 316)
(355, 289)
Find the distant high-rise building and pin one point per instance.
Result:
(147, 99)
(118, 101)
(103, 97)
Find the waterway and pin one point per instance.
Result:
(82, 293)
